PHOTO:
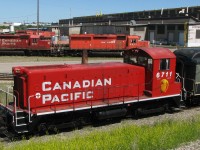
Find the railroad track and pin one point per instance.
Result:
(6, 76)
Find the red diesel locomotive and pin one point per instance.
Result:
(42, 44)
(105, 42)
(113, 44)
(60, 96)
(25, 42)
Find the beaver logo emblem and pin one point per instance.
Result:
(164, 85)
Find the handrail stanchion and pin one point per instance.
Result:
(29, 107)
(17, 96)
(138, 92)
(6, 99)
(15, 109)
(8, 91)
(73, 102)
(8, 94)
(123, 94)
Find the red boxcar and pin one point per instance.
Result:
(77, 86)
(105, 42)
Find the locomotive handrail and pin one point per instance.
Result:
(196, 84)
(8, 94)
(15, 107)
(138, 92)
(15, 110)
(29, 107)
(17, 95)
(193, 83)
(178, 77)
(8, 88)
(73, 102)
(194, 87)
(190, 79)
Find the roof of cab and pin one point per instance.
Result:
(158, 52)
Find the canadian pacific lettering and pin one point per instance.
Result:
(70, 85)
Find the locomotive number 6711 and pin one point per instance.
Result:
(60, 96)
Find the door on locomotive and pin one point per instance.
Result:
(34, 40)
(140, 58)
(160, 75)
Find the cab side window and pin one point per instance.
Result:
(133, 41)
(142, 60)
(150, 64)
(35, 40)
(133, 60)
(164, 64)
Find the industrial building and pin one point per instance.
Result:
(173, 26)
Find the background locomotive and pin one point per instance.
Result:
(103, 44)
(188, 67)
(59, 96)
(47, 44)
(28, 42)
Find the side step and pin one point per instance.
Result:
(21, 123)
(22, 129)
(8, 134)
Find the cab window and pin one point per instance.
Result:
(133, 60)
(35, 40)
(142, 60)
(150, 64)
(164, 64)
(133, 41)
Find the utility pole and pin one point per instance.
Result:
(38, 17)
(69, 16)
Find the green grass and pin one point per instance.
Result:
(165, 135)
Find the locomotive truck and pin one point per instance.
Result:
(54, 97)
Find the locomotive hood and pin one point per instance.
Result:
(189, 55)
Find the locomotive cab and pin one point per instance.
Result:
(132, 41)
(160, 75)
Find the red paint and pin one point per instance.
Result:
(70, 87)
(105, 42)
(155, 76)
(24, 42)
(64, 85)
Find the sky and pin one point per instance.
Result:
(54, 10)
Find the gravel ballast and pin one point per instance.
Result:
(188, 115)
